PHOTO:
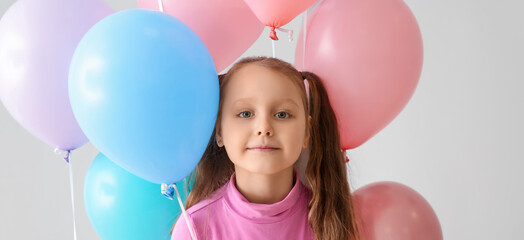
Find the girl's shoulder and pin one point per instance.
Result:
(198, 215)
(210, 200)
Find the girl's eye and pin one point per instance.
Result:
(282, 115)
(245, 114)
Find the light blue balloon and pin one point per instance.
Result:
(144, 90)
(121, 205)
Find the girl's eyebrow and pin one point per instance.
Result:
(249, 100)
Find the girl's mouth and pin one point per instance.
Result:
(263, 149)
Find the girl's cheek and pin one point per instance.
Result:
(239, 122)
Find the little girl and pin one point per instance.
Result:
(246, 185)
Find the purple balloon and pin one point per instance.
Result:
(37, 42)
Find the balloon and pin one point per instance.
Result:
(227, 27)
(389, 210)
(37, 41)
(369, 54)
(277, 13)
(121, 205)
(144, 90)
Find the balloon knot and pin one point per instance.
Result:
(66, 158)
(345, 154)
(167, 190)
(273, 34)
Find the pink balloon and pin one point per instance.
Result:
(227, 27)
(37, 41)
(369, 54)
(277, 13)
(389, 210)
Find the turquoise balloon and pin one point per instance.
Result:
(144, 90)
(121, 205)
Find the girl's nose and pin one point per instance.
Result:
(265, 132)
(264, 127)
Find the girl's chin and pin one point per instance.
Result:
(263, 168)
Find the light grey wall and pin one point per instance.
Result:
(456, 142)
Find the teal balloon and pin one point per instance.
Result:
(144, 90)
(121, 205)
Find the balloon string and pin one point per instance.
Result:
(346, 154)
(184, 212)
(273, 46)
(161, 5)
(289, 33)
(304, 43)
(72, 189)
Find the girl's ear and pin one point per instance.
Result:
(218, 136)
(306, 139)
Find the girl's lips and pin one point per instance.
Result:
(263, 149)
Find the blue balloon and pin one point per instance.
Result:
(121, 205)
(144, 90)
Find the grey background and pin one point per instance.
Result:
(456, 142)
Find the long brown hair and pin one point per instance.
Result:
(331, 214)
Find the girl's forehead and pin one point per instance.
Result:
(256, 72)
(257, 77)
(259, 82)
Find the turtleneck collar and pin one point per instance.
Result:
(263, 213)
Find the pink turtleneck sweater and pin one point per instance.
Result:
(226, 214)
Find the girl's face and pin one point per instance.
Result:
(263, 124)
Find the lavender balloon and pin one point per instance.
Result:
(37, 41)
